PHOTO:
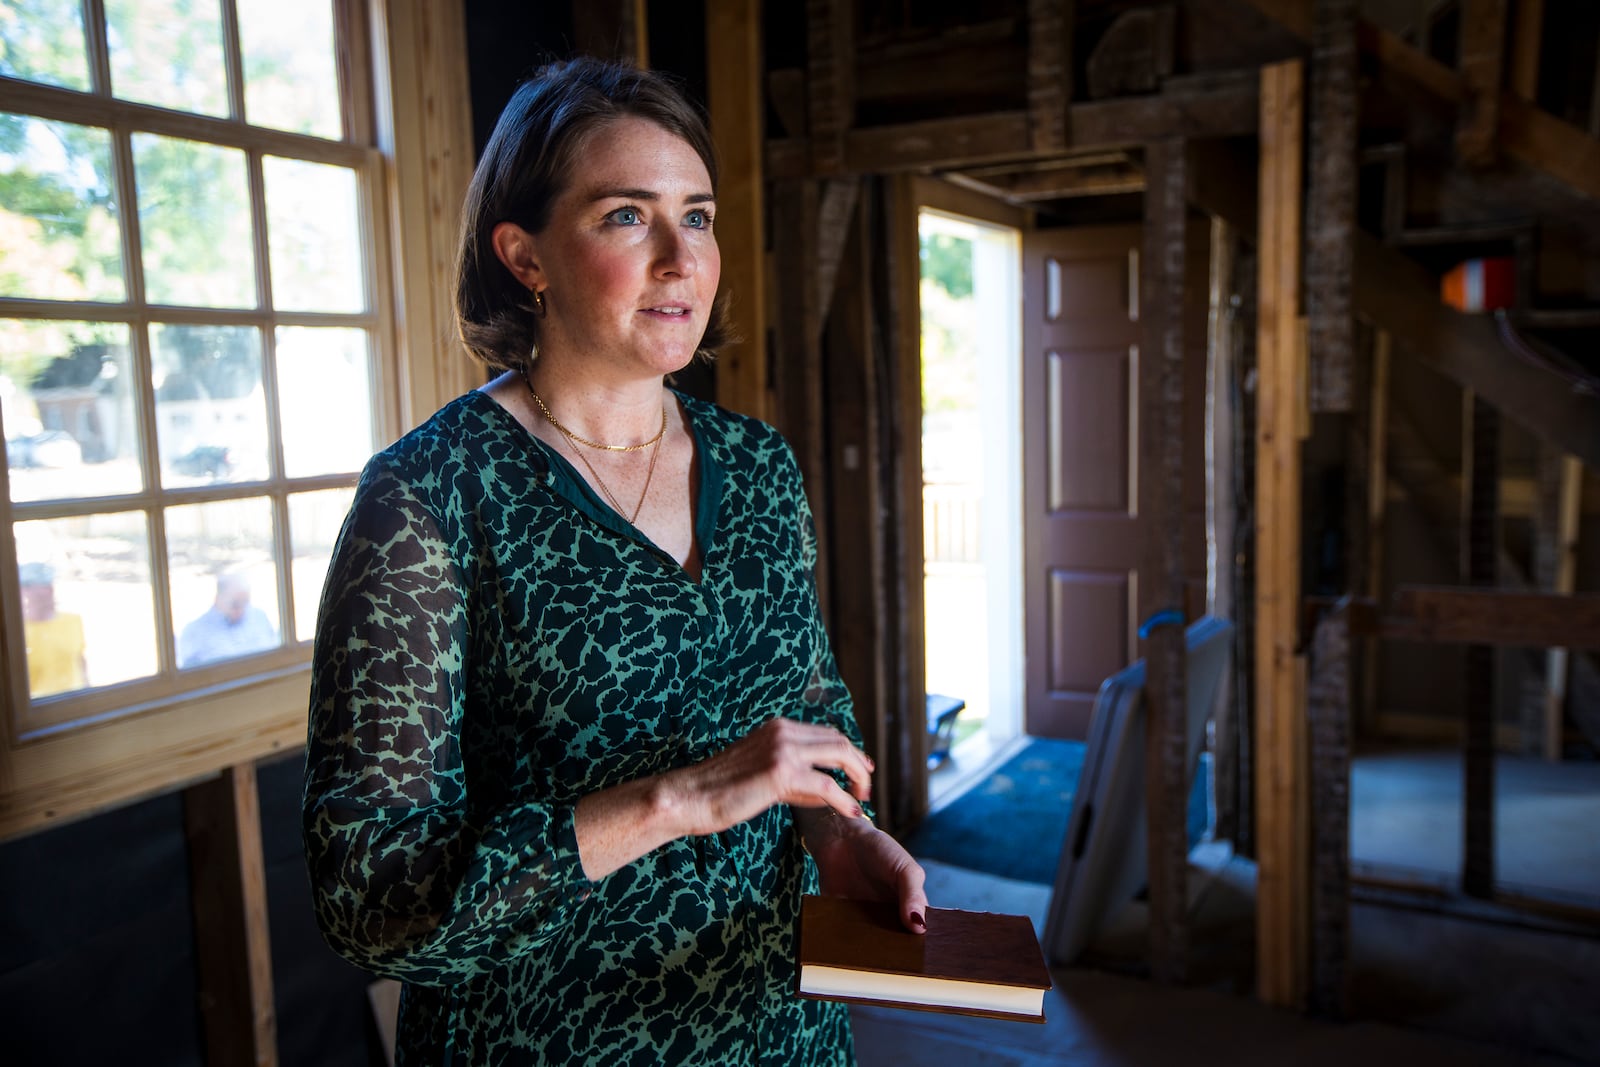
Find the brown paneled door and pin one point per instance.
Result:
(1081, 494)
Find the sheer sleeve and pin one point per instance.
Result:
(412, 875)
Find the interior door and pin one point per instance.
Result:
(1082, 529)
(1082, 495)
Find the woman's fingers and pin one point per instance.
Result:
(783, 761)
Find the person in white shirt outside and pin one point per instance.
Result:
(230, 628)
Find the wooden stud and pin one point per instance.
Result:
(1483, 43)
(1220, 472)
(1377, 505)
(1162, 455)
(1281, 798)
(1564, 567)
(1329, 712)
(613, 29)
(798, 344)
(733, 89)
(859, 625)
(1050, 26)
(232, 948)
(1481, 480)
(1527, 33)
(1331, 226)
(904, 270)
(430, 171)
(830, 81)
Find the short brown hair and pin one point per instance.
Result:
(526, 166)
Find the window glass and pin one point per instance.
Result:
(194, 223)
(168, 53)
(325, 397)
(67, 401)
(314, 236)
(86, 602)
(291, 74)
(211, 412)
(42, 41)
(58, 212)
(314, 522)
(224, 580)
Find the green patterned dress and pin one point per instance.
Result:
(495, 643)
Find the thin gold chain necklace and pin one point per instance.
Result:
(572, 443)
(569, 435)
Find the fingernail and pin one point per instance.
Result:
(916, 920)
(859, 811)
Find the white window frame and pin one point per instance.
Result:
(409, 138)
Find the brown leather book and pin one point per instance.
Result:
(969, 962)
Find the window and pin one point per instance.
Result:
(191, 323)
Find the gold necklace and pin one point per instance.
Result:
(569, 435)
(572, 443)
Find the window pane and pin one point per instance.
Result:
(42, 41)
(194, 223)
(67, 400)
(314, 522)
(168, 53)
(291, 78)
(314, 236)
(224, 580)
(211, 411)
(325, 396)
(58, 211)
(87, 607)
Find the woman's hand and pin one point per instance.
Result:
(782, 761)
(861, 862)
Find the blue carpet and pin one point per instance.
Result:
(1012, 823)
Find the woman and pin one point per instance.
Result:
(578, 744)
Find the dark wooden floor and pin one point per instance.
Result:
(1102, 1018)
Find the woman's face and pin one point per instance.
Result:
(627, 264)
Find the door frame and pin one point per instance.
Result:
(911, 194)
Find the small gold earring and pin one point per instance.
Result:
(538, 303)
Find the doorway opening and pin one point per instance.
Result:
(971, 302)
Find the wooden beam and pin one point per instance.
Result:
(1057, 183)
(1162, 457)
(1526, 132)
(233, 952)
(1134, 55)
(1329, 711)
(1331, 223)
(1493, 617)
(1282, 892)
(1050, 73)
(1401, 296)
(1482, 65)
(830, 80)
(613, 29)
(733, 89)
(1223, 106)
